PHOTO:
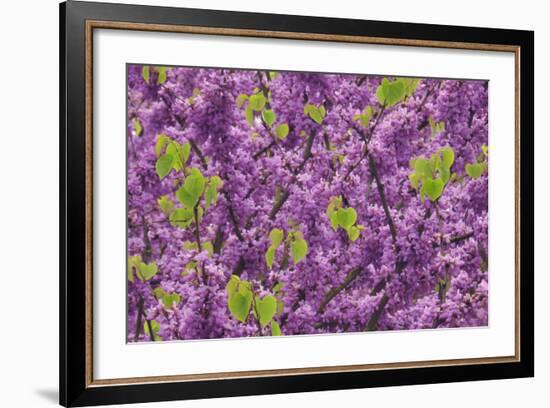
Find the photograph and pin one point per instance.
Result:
(282, 203)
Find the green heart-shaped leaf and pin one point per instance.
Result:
(162, 75)
(194, 183)
(270, 256)
(187, 199)
(389, 93)
(181, 217)
(185, 150)
(256, 102)
(145, 73)
(276, 237)
(414, 179)
(298, 248)
(162, 140)
(333, 216)
(249, 115)
(315, 113)
(211, 194)
(239, 305)
(445, 174)
(232, 286)
(275, 328)
(422, 167)
(164, 165)
(155, 326)
(269, 117)
(266, 308)
(170, 300)
(346, 217)
(474, 170)
(138, 129)
(147, 271)
(448, 156)
(166, 205)
(241, 99)
(353, 233)
(282, 131)
(433, 188)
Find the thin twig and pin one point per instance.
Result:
(332, 293)
(138, 318)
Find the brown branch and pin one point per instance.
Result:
(198, 152)
(366, 139)
(138, 318)
(149, 326)
(399, 263)
(233, 217)
(148, 250)
(239, 267)
(380, 187)
(459, 238)
(332, 293)
(197, 231)
(307, 152)
(373, 321)
(218, 240)
(264, 150)
(278, 204)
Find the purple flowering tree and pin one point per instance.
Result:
(268, 203)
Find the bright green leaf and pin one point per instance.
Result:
(275, 328)
(282, 130)
(164, 165)
(162, 140)
(389, 93)
(269, 117)
(270, 256)
(241, 99)
(145, 73)
(147, 271)
(256, 102)
(162, 75)
(194, 183)
(240, 302)
(138, 129)
(445, 174)
(232, 286)
(266, 308)
(298, 248)
(474, 170)
(276, 237)
(353, 233)
(185, 150)
(346, 217)
(181, 217)
(211, 194)
(448, 156)
(187, 199)
(433, 188)
(209, 248)
(249, 115)
(422, 167)
(314, 113)
(414, 179)
(166, 205)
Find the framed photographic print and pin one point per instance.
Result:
(256, 203)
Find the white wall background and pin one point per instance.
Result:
(29, 202)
